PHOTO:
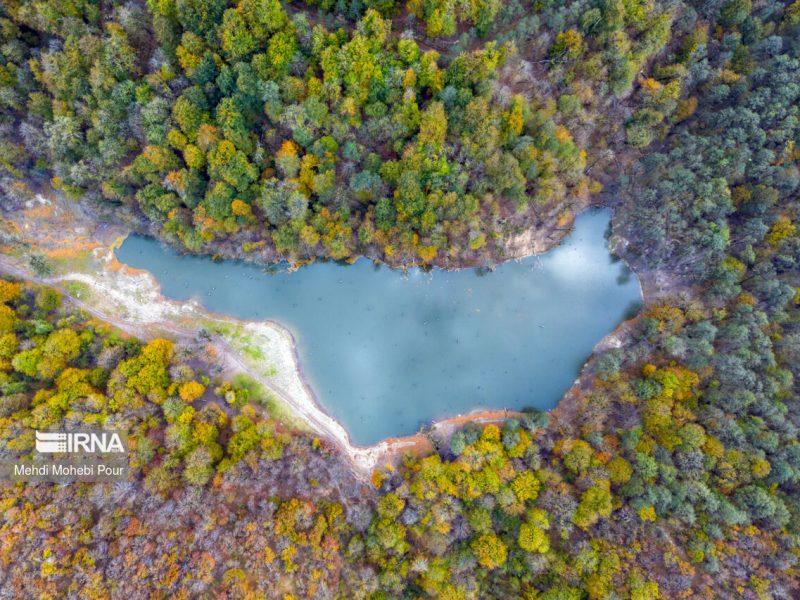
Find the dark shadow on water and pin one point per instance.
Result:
(273, 270)
(632, 310)
(578, 364)
(624, 277)
(385, 356)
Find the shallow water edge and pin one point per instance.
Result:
(386, 352)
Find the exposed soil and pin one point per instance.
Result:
(79, 252)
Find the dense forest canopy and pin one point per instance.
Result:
(310, 134)
(422, 132)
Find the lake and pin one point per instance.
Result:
(386, 352)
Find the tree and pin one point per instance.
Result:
(567, 45)
(148, 373)
(282, 202)
(432, 127)
(280, 51)
(595, 503)
(47, 360)
(579, 456)
(190, 111)
(733, 12)
(489, 550)
(199, 466)
(9, 291)
(200, 16)
(191, 391)
(525, 486)
(533, 539)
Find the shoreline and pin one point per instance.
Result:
(530, 241)
(146, 312)
(309, 407)
(153, 320)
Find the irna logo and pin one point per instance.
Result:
(90, 443)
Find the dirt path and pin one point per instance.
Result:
(363, 459)
(85, 270)
(88, 275)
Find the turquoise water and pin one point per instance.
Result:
(386, 352)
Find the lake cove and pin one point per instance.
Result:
(386, 352)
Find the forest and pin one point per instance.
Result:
(260, 130)
(424, 133)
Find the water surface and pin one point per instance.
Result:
(385, 351)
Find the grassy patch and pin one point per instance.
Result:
(243, 343)
(78, 290)
(259, 395)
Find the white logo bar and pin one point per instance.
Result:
(47, 443)
(90, 443)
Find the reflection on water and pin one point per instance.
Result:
(386, 351)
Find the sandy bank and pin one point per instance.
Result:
(85, 269)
